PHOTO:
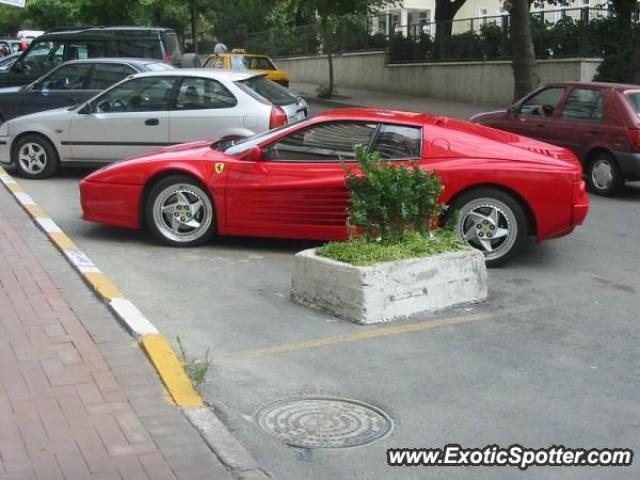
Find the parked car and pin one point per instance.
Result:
(71, 83)
(13, 45)
(290, 182)
(144, 112)
(599, 122)
(60, 45)
(238, 59)
(8, 60)
(27, 36)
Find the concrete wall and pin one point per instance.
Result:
(488, 83)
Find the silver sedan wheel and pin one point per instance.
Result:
(488, 225)
(182, 212)
(602, 174)
(32, 158)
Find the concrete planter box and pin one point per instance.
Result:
(391, 290)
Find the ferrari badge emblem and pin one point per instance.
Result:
(219, 167)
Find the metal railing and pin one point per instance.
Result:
(562, 32)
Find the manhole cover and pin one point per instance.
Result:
(324, 422)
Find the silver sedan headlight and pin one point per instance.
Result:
(4, 130)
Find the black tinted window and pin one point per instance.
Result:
(203, 93)
(583, 104)
(398, 142)
(42, 57)
(83, 49)
(140, 48)
(106, 74)
(325, 142)
(67, 77)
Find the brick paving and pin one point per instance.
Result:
(78, 399)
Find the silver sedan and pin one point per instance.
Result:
(147, 111)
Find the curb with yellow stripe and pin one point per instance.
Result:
(156, 346)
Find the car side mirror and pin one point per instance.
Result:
(513, 110)
(86, 109)
(254, 154)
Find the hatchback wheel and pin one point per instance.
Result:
(180, 212)
(603, 175)
(493, 222)
(35, 157)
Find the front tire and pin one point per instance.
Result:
(603, 175)
(493, 222)
(179, 212)
(35, 157)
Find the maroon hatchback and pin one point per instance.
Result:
(599, 122)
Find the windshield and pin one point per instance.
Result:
(634, 100)
(41, 57)
(274, 93)
(233, 147)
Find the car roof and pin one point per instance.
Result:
(214, 73)
(377, 115)
(612, 86)
(128, 60)
(98, 32)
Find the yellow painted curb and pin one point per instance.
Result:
(62, 241)
(35, 211)
(101, 284)
(170, 370)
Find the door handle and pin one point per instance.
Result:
(541, 125)
(593, 132)
(151, 122)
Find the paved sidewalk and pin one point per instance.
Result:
(78, 399)
(368, 98)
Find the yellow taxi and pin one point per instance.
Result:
(238, 59)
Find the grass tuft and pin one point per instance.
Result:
(361, 252)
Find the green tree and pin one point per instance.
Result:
(328, 13)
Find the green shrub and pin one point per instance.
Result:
(389, 201)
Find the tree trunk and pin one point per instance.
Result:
(445, 13)
(327, 39)
(330, 88)
(194, 26)
(634, 67)
(524, 66)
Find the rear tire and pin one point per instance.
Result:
(603, 175)
(179, 212)
(35, 157)
(492, 222)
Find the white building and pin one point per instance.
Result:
(419, 14)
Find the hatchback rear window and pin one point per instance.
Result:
(265, 88)
(634, 100)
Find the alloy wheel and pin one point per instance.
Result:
(182, 213)
(488, 225)
(33, 158)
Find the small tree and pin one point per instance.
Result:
(328, 12)
(389, 201)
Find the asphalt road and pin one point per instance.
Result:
(551, 358)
